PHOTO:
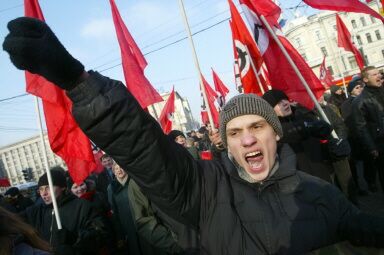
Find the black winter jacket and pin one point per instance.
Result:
(290, 213)
(84, 230)
(368, 118)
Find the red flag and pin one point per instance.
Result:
(4, 182)
(204, 117)
(344, 40)
(343, 6)
(211, 96)
(325, 75)
(133, 63)
(242, 40)
(65, 137)
(284, 78)
(168, 110)
(97, 154)
(220, 88)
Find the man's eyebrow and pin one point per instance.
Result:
(249, 125)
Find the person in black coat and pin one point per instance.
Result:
(368, 122)
(251, 202)
(15, 201)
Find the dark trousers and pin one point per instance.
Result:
(373, 166)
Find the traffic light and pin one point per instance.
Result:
(27, 173)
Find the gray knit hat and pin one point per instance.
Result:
(248, 104)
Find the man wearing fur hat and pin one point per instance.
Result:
(83, 230)
(251, 202)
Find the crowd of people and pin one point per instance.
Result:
(274, 178)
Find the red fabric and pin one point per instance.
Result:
(343, 6)
(211, 96)
(4, 182)
(325, 76)
(88, 195)
(241, 39)
(206, 155)
(282, 75)
(169, 108)
(204, 117)
(344, 40)
(219, 85)
(133, 64)
(65, 137)
(99, 167)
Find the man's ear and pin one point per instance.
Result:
(277, 138)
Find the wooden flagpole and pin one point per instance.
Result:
(187, 28)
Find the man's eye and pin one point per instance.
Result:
(232, 133)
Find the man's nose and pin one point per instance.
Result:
(248, 139)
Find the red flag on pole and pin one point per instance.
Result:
(65, 137)
(204, 116)
(325, 75)
(343, 6)
(284, 78)
(242, 40)
(168, 110)
(211, 96)
(133, 63)
(220, 88)
(344, 40)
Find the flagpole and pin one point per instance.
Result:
(239, 86)
(254, 70)
(182, 10)
(342, 75)
(303, 81)
(49, 177)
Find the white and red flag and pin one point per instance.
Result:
(133, 63)
(220, 88)
(244, 43)
(211, 97)
(344, 40)
(165, 118)
(281, 73)
(344, 6)
(325, 75)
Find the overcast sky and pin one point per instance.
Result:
(85, 27)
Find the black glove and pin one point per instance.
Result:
(318, 128)
(32, 46)
(339, 148)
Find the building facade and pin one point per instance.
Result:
(182, 117)
(316, 36)
(27, 154)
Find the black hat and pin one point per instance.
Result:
(58, 179)
(274, 96)
(13, 192)
(202, 130)
(175, 133)
(334, 88)
(353, 83)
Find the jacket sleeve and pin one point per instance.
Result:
(111, 117)
(147, 224)
(360, 125)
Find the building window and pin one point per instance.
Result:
(318, 35)
(352, 62)
(366, 59)
(298, 42)
(358, 38)
(382, 53)
(354, 25)
(334, 27)
(304, 56)
(330, 69)
(373, 20)
(369, 38)
(324, 51)
(378, 36)
(363, 22)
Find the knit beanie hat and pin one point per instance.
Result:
(58, 179)
(353, 83)
(13, 192)
(274, 96)
(248, 104)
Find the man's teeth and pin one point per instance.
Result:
(255, 164)
(252, 154)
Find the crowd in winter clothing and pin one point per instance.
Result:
(269, 181)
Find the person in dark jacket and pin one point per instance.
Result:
(251, 202)
(134, 219)
(16, 201)
(104, 178)
(82, 229)
(337, 97)
(368, 122)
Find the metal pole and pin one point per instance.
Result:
(254, 70)
(342, 75)
(49, 177)
(303, 81)
(182, 10)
